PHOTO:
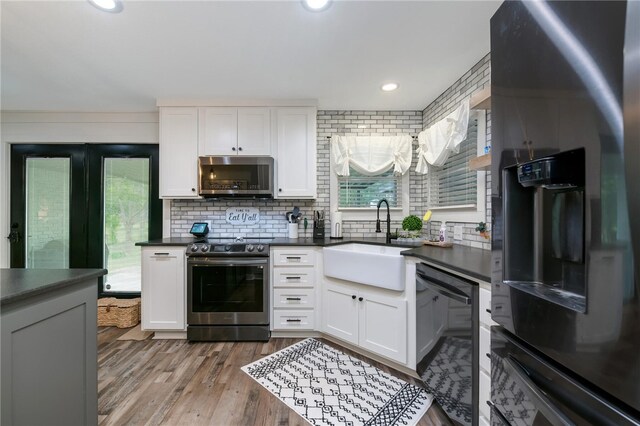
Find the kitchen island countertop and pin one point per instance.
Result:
(19, 284)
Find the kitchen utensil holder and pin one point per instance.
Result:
(293, 230)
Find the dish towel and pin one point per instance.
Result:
(436, 143)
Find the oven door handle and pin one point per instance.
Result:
(208, 261)
(452, 293)
(550, 411)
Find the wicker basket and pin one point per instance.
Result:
(122, 313)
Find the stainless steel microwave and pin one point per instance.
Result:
(237, 177)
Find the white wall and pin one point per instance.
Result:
(63, 127)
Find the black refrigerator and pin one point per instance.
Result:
(565, 213)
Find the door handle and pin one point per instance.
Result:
(542, 402)
(14, 236)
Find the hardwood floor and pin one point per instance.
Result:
(174, 382)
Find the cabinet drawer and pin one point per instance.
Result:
(485, 348)
(300, 257)
(293, 277)
(485, 307)
(293, 320)
(293, 298)
(484, 394)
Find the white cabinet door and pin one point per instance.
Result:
(340, 312)
(218, 131)
(383, 325)
(296, 153)
(163, 288)
(254, 131)
(179, 152)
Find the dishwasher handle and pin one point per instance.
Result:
(443, 288)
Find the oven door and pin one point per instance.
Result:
(227, 291)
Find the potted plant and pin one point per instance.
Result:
(482, 229)
(412, 225)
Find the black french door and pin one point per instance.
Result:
(84, 206)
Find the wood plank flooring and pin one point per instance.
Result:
(174, 382)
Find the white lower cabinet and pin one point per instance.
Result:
(163, 288)
(484, 343)
(293, 296)
(373, 319)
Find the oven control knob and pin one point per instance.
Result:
(227, 247)
(260, 247)
(205, 248)
(250, 247)
(194, 247)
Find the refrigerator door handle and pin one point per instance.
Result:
(550, 411)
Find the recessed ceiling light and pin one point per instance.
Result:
(389, 87)
(113, 6)
(316, 5)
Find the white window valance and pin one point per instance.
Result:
(371, 155)
(441, 139)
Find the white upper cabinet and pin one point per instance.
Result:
(296, 152)
(235, 131)
(218, 131)
(179, 152)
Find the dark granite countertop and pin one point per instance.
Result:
(470, 261)
(20, 284)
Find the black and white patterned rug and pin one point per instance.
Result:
(328, 387)
(449, 378)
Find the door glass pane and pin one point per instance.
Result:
(126, 221)
(47, 209)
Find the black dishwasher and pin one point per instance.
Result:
(447, 341)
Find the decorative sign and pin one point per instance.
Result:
(243, 215)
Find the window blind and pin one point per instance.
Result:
(454, 184)
(360, 191)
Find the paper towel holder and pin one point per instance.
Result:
(337, 229)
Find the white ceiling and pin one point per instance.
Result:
(70, 56)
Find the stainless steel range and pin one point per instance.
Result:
(228, 290)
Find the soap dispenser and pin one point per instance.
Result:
(443, 232)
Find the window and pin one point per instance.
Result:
(358, 190)
(357, 195)
(455, 192)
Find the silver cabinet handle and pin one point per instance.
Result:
(293, 298)
(293, 257)
(161, 254)
(294, 320)
(292, 278)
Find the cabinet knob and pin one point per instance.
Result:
(193, 190)
(361, 298)
(279, 189)
(239, 148)
(233, 148)
(353, 297)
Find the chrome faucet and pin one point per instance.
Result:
(388, 220)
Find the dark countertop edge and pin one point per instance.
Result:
(417, 251)
(15, 295)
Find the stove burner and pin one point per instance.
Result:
(238, 246)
